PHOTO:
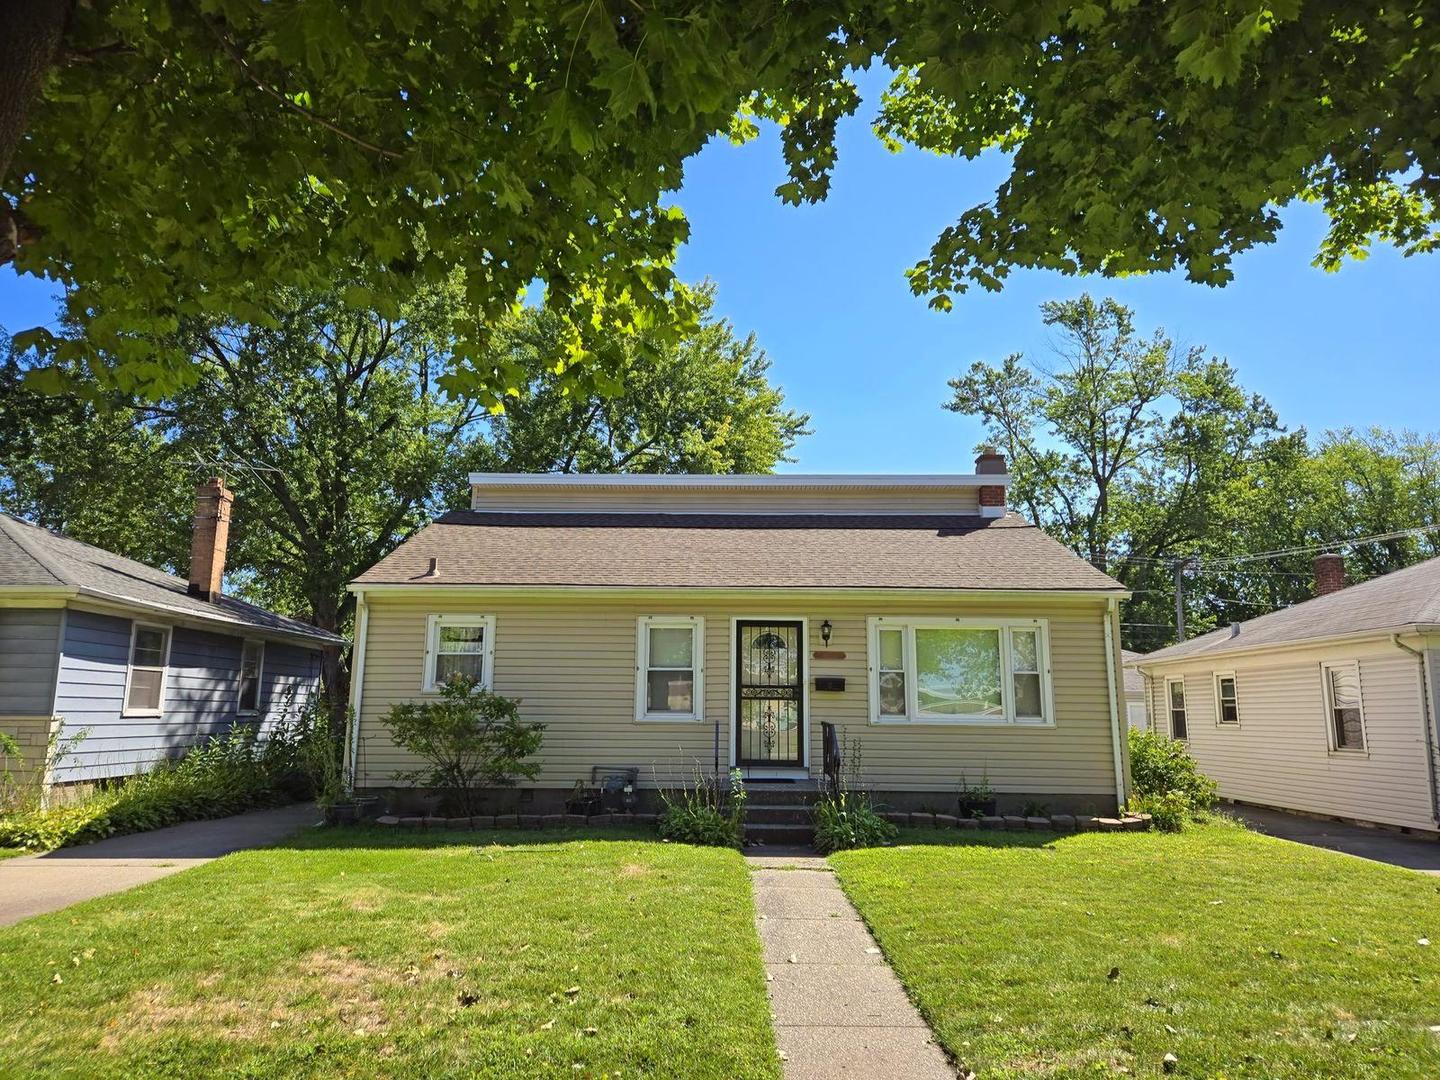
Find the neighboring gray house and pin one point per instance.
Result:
(125, 665)
(1327, 707)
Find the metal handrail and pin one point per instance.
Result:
(832, 762)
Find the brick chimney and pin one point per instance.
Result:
(992, 496)
(1329, 574)
(210, 533)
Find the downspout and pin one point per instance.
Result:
(1111, 612)
(1426, 700)
(357, 685)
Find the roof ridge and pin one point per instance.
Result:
(20, 540)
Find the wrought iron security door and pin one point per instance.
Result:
(769, 677)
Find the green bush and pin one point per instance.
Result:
(1171, 811)
(1160, 765)
(698, 813)
(847, 820)
(224, 776)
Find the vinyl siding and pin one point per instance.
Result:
(201, 695)
(29, 644)
(964, 500)
(571, 661)
(1279, 754)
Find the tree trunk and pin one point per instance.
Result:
(28, 44)
(334, 670)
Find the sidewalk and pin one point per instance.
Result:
(838, 1008)
(34, 884)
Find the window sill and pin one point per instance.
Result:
(1344, 752)
(933, 721)
(152, 713)
(669, 718)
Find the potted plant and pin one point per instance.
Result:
(977, 801)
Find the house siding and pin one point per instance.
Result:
(201, 695)
(1279, 754)
(571, 661)
(29, 644)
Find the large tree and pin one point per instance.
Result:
(169, 161)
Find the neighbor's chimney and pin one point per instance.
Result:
(1329, 574)
(210, 532)
(992, 496)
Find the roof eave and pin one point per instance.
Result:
(431, 588)
(1379, 633)
(738, 481)
(240, 626)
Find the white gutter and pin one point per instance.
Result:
(1384, 633)
(733, 592)
(735, 481)
(1427, 720)
(1111, 614)
(357, 685)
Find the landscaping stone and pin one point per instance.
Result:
(433, 822)
(622, 819)
(483, 821)
(530, 821)
(1062, 822)
(992, 822)
(1110, 824)
(1037, 824)
(1087, 822)
(1014, 822)
(646, 819)
(920, 817)
(896, 817)
(411, 822)
(946, 821)
(968, 823)
(600, 819)
(387, 819)
(552, 821)
(575, 819)
(1137, 822)
(507, 821)
(457, 823)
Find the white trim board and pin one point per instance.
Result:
(737, 481)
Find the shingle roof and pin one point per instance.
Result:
(31, 556)
(1409, 597)
(1134, 681)
(736, 551)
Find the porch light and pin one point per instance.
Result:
(825, 629)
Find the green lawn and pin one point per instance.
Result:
(364, 953)
(1242, 955)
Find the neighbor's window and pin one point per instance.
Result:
(145, 683)
(668, 668)
(958, 671)
(1227, 702)
(1179, 724)
(252, 660)
(459, 645)
(1342, 702)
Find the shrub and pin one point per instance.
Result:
(848, 820)
(470, 739)
(698, 812)
(1170, 811)
(1160, 765)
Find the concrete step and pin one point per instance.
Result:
(783, 814)
(775, 835)
(773, 794)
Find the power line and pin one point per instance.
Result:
(1398, 534)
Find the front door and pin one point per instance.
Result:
(769, 698)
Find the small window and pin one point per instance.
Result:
(1344, 705)
(252, 662)
(892, 691)
(1227, 702)
(1025, 671)
(669, 668)
(459, 645)
(145, 681)
(1175, 691)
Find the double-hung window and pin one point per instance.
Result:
(1227, 699)
(958, 671)
(1343, 705)
(459, 646)
(252, 663)
(145, 679)
(1175, 702)
(669, 667)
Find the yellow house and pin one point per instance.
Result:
(683, 624)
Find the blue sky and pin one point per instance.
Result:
(823, 288)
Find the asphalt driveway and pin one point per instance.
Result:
(1381, 845)
(34, 884)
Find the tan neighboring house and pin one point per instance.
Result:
(681, 623)
(1327, 707)
(1137, 708)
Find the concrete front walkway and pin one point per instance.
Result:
(1381, 845)
(838, 1008)
(34, 884)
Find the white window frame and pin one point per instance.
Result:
(1328, 695)
(135, 628)
(433, 623)
(254, 710)
(643, 625)
(1170, 708)
(914, 717)
(1220, 720)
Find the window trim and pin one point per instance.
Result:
(433, 623)
(254, 710)
(913, 717)
(1220, 720)
(643, 625)
(136, 626)
(1327, 696)
(1178, 680)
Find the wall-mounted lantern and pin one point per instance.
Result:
(825, 629)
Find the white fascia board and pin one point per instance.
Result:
(738, 592)
(1148, 666)
(736, 481)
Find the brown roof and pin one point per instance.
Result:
(1405, 598)
(729, 551)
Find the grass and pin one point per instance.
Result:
(363, 953)
(12, 852)
(1242, 955)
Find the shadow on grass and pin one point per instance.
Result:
(379, 838)
(997, 838)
